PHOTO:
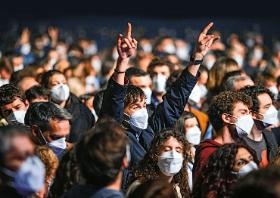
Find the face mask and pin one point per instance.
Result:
(148, 94)
(247, 168)
(170, 49)
(159, 83)
(25, 49)
(18, 68)
(58, 146)
(115, 55)
(128, 155)
(60, 92)
(17, 116)
(209, 63)
(274, 90)
(96, 65)
(195, 94)
(147, 48)
(244, 125)
(139, 118)
(258, 54)
(92, 49)
(3, 82)
(271, 116)
(29, 178)
(239, 60)
(193, 135)
(182, 53)
(170, 162)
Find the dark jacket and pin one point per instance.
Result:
(89, 191)
(271, 144)
(82, 118)
(164, 116)
(202, 153)
(276, 133)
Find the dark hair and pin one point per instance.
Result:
(46, 77)
(260, 183)
(180, 124)
(224, 103)
(154, 189)
(97, 101)
(232, 73)
(148, 169)
(217, 177)
(133, 95)
(40, 113)
(157, 62)
(6, 134)
(135, 71)
(254, 92)
(101, 152)
(37, 91)
(107, 66)
(86, 97)
(9, 93)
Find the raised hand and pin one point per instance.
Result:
(204, 42)
(25, 36)
(53, 33)
(126, 45)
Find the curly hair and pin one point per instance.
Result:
(224, 103)
(216, 178)
(9, 93)
(254, 92)
(148, 169)
(133, 95)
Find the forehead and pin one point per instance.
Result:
(140, 80)
(57, 77)
(172, 142)
(264, 98)
(21, 144)
(161, 68)
(190, 121)
(240, 106)
(242, 153)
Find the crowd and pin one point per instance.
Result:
(152, 118)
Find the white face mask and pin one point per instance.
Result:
(239, 59)
(209, 63)
(193, 135)
(148, 94)
(274, 90)
(139, 118)
(17, 116)
(147, 48)
(258, 54)
(170, 49)
(60, 92)
(3, 82)
(25, 49)
(92, 49)
(271, 116)
(170, 162)
(115, 55)
(195, 94)
(247, 168)
(96, 65)
(182, 53)
(159, 83)
(18, 67)
(58, 146)
(244, 125)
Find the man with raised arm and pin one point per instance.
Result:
(127, 103)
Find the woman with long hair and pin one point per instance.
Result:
(166, 160)
(223, 169)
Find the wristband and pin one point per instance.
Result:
(119, 72)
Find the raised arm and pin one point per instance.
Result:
(113, 100)
(176, 98)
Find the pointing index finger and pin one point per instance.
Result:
(207, 28)
(129, 30)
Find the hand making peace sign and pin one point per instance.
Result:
(126, 45)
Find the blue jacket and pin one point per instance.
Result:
(164, 116)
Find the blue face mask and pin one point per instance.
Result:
(29, 178)
(58, 146)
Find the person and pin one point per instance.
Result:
(230, 117)
(13, 103)
(108, 145)
(82, 118)
(223, 169)
(127, 103)
(154, 189)
(50, 161)
(22, 173)
(50, 125)
(37, 94)
(237, 82)
(87, 99)
(265, 115)
(167, 161)
(261, 183)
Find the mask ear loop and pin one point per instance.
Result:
(234, 123)
(42, 136)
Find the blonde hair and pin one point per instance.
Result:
(222, 66)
